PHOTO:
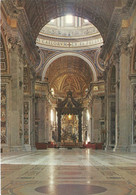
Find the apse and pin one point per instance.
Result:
(69, 73)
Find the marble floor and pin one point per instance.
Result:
(68, 172)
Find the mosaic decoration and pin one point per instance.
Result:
(91, 54)
(3, 58)
(74, 32)
(3, 114)
(26, 122)
(134, 115)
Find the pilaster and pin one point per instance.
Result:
(16, 112)
(124, 137)
(29, 113)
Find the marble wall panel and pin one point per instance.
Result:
(3, 114)
(3, 58)
(26, 122)
(134, 114)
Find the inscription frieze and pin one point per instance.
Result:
(68, 44)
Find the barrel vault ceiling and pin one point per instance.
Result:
(69, 73)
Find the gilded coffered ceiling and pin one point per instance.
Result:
(69, 73)
(98, 12)
(30, 16)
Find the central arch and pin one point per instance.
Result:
(47, 64)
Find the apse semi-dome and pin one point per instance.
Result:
(69, 33)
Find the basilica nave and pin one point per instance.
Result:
(68, 97)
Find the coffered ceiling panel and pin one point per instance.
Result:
(98, 12)
(69, 73)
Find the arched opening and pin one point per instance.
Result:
(69, 73)
(66, 44)
(46, 66)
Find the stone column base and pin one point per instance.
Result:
(108, 147)
(5, 149)
(33, 148)
(28, 147)
(115, 148)
(16, 148)
(132, 148)
(58, 144)
(121, 149)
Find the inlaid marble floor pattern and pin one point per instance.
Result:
(68, 172)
